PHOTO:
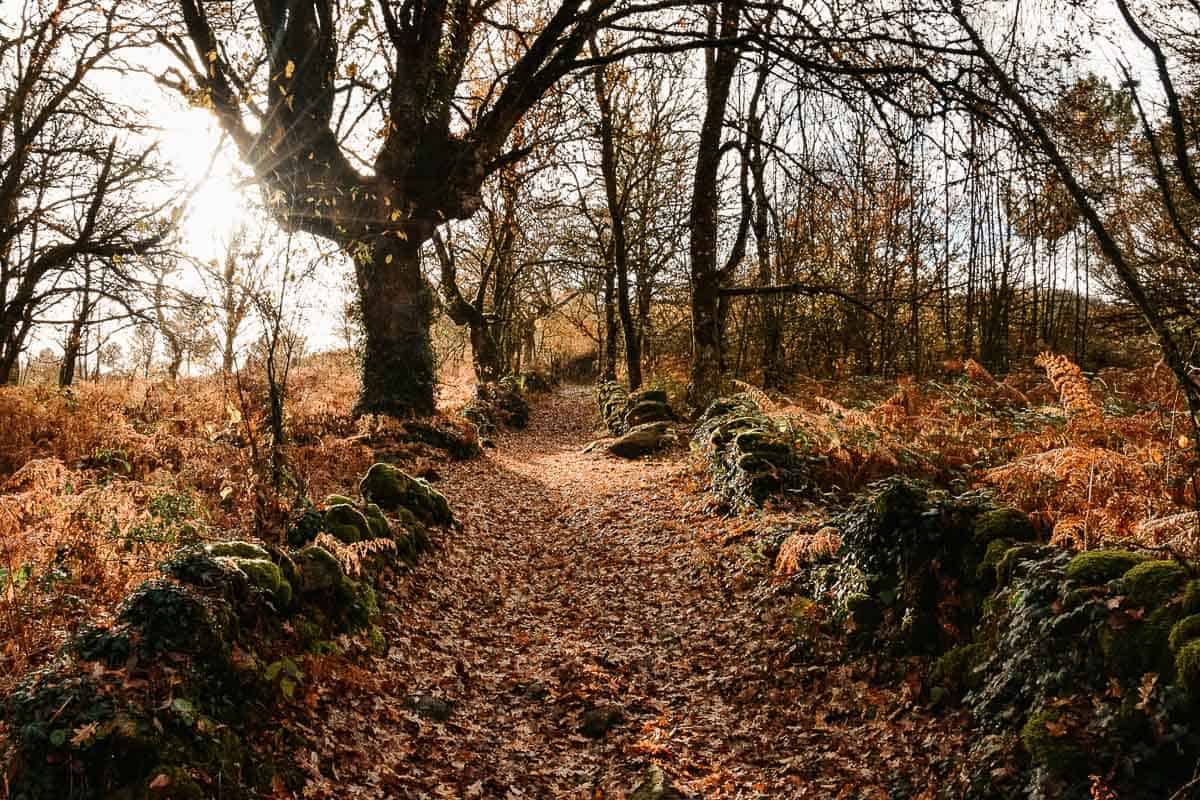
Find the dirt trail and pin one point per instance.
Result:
(578, 586)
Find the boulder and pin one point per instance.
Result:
(346, 523)
(655, 785)
(391, 488)
(642, 439)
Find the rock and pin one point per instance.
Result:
(346, 524)
(596, 723)
(267, 577)
(429, 707)
(1051, 745)
(337, 500)
(318, 570)
(613, 401)
(304, 527)
(641, 440)
(377, 523)
(1184, 631)
(1187, 668)
(1003, 523)
(392, 488)
(644, 412)
(655, 786)
(236, 550)
(1152, 583)
(1101, 566)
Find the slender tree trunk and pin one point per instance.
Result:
(707, 356)
(397, 308)
(609, 371)
(616, 215)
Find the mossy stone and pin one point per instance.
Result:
(996, 548)
(1095, 567)
(1191, 597)
(1059, 754)
(346, 524)
(1141, 647)
(1152, 583)
(955, 668)
(268, 577)
(236, 550)
(1184, 631)
(170, 617)
(392, 488)
(378, 524)
(652, 395)
(1006, 567)
(338, 500)
(1002, 523)
(318, 569)
(1187, 668)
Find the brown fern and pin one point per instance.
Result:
(352, 556)
(1071, 386)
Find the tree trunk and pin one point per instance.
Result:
(706, 278)
(397, 309)
(485, 352)
(609, 372)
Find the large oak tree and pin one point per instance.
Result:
(445, 83)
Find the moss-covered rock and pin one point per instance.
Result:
(955, 669)
(647, 411)
(1187, 668)
(1184, 631)
(318, 570)
(1140, 645)
(378, 524)
(1152, 583)
(304, 526)
(266, 576)
(234, 549)
(346, 524)
(1003, 523)
(391, 488)
(167, 617)
(1051, 745)
(1007, 566)
(1101, 566)
(1191, 597)
(338, 500)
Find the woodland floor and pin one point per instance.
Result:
(579, 582)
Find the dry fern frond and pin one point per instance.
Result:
(977, 373)
(756, 394)
(803, 548)
(352, 556)
(1071, 386)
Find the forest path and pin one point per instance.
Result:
(581, 585)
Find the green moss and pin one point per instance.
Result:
(1101, 566)
(992, 556)
(1191, 597)
(346, 523)
(1006, 567)
(236, 550)
(338, 500)
(318, 569)
(1002, 523)
(1187, 668)
(1059, 754)
(955, 668)
(379, 526)
(1152, 583)
(391, 488)
(1184, 631)
(1142, 646)
(268, 577)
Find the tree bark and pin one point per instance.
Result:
(397, 309)
(706, 278)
